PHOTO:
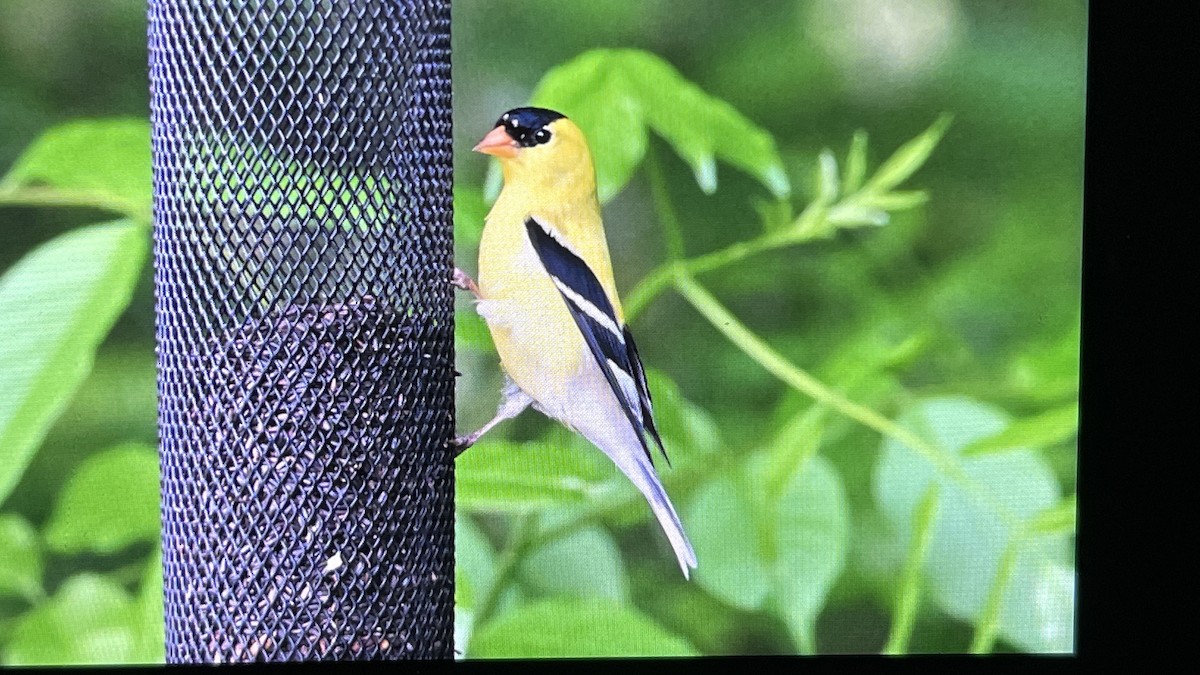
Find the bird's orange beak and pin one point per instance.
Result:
(497, 143)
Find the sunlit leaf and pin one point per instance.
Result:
(90, 620)
(469, 212)
(723, 528)
(1041, 431)
(827, 177)
(471, 331)
(812, 525)
(56, 305)
(791, 448)
(775, 214)
(109, 503)
(499, 475)
(474, 570)
(789, 549)
(108, 159)
(151, 628)
(856, 163)
(1047, 371)
(20, 558)
(583, 564)
(474, 562)
(1059, 519)
(689, 431)
(899, 200)
(908, 158)
(617, 95)
(977, 521)
(574, 628)
(852, 214)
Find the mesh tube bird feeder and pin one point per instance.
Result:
(302, 173)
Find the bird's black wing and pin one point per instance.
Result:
(611, 343)
(643, 389)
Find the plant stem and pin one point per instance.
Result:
(989, 620)
(805, 642)
(661, 277)
(518, 543)
(777, 365)
(910, 587)
(799, 379)
(666, 212)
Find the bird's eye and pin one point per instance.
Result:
(541, 136)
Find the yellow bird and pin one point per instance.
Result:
(547, 293)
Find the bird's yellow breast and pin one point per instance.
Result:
(539, 345)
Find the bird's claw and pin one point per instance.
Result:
(461, 443)
(464, 281)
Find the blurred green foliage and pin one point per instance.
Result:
(866, 363)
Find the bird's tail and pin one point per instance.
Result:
(622, 447)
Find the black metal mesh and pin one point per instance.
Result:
(305, 330)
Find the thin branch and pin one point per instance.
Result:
(904, 618)
(988, 627)
(661, 277)
(666, 212)
(799, 379)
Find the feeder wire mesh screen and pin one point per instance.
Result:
(302, 175)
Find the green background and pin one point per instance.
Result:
(957, 321)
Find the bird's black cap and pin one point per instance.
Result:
(527, 126)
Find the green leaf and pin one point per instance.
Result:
(723, 524)
(789, 550)
(502, 476)
(908, 158)
(791, 448)
(474, 572)
(775, 214)
(108, 159)
(268, 185)
(469, 212)
(151, 628)
(1047, 371)
(689, 432)
(852, 214)
(584, 564)
(20, 559)
(856, 163)
(474, 562)
(56, 306)
(471, 331)
(827, 177)
(576, 628)
(617, 95)
(91, 620)
(1041, 431)
(109, 503)
(901, 200)
(978, 521)
(813, 533)
(1057, 520)
(909, 594)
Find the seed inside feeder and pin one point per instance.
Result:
(311, 459)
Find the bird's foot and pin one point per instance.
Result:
(461, 443)
(464, 281)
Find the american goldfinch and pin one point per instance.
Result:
(547, 294)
